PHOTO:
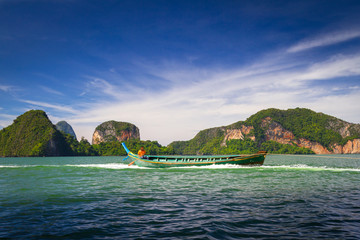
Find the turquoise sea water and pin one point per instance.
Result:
(290, 197)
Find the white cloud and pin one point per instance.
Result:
(51, 106)
(51, 91)
(197, 98)
(220, 97)
(100, 87)
(325, 40)
(343, 106)
(7, 116)
(338, 66)
(5, 88)
(103, 86)
(6, 119)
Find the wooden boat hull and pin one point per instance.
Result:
(248, 160)
(187, 161)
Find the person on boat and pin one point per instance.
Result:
(142, 152)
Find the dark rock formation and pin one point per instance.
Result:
(63, 126)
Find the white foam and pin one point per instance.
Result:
(10, 166)
(312, 168)
(106, 165)
(220, 166)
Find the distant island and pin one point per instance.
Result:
(299, 131)
(292, 131)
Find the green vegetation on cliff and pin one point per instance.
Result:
(82, 148)
(32, 134)
(115, 131)
(119, 126)
(303, 123)
(278, 148)
(234, 146)
(115, 148)
(205, 142)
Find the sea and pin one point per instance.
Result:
(289, 197)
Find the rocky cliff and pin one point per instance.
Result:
(298, 128)
(239, 133)
(63, 126)
(115, 131)
(275, 132)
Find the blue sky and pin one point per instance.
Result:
(174, 68)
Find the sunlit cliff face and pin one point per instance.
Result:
(109, 132)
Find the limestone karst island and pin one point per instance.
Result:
(292, 131)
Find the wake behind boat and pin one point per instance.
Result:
(186, 161)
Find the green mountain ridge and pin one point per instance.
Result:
(302, 123)
(32, 134)
(305, 123)
(292, 131)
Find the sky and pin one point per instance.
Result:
(174, 68)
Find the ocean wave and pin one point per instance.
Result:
(225, 166)
(312, 168)
(13, 166)
(105, 165)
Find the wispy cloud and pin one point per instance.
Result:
(6, 119)
(51, 91)
(194, 98)
(51, 106)
(337, 66)
(99, 86)
(215, 97)
(325, 40)
(5, 88)
(7, 116)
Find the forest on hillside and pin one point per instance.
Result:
(32, 134)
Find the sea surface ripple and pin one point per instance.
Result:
(290, 197)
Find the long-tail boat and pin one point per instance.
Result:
(153, 161)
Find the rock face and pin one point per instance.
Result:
(299, 127)
(344, 131)
(115, 131)
(352, 146)
(63, 126)
(313, 146)
(238, 133)
(275, 132)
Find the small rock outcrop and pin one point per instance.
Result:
(313, 146)
(275, 132)
(352, 146)
(63, 126)
(115, 131)
(238, 133)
